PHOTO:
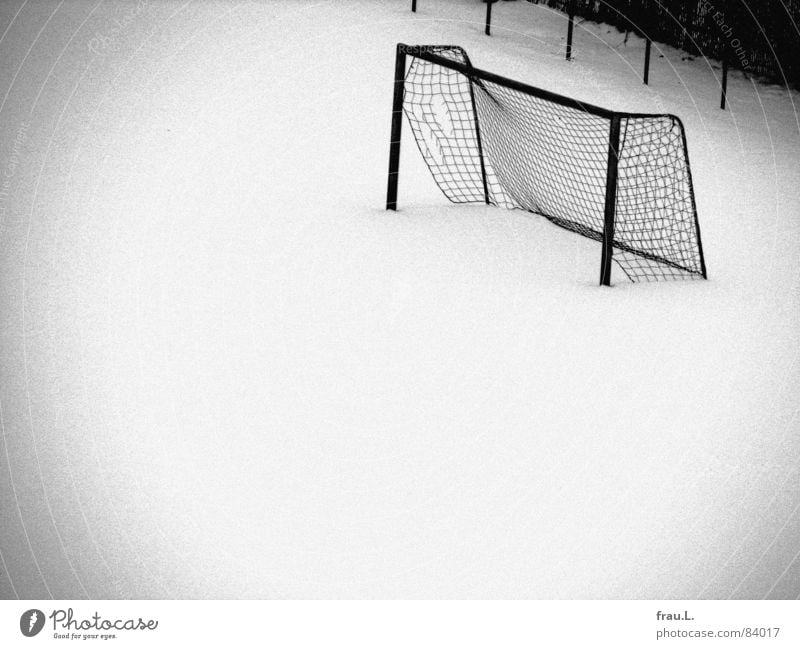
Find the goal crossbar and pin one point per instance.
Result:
(426, 53)
(620, 178)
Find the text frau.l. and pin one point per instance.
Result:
(66, 620)
(681, 617)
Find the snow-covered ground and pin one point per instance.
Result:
(227, 372)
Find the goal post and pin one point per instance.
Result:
(622, 179)
(397, 129)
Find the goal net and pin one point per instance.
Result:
(621, 179)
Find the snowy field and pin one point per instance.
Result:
(228, 372)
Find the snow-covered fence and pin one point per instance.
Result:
(758, 38)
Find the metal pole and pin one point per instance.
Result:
(489, 17)
(724, 98)
(611, 200)
(647, 47)
(570, 28)
(479, 143)
(480, 76)
(413, 5)
(397, 128)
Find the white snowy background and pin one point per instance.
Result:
(226, 371)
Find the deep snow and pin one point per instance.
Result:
(227, 372)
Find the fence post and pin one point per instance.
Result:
(397, 128)
(611, 201)
(413, 5)
(724, 98)
(489, 4)
(647, 47)
(570, 27)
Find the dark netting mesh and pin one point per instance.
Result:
(655, 230)
(485, 141)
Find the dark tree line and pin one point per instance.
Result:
(761, 37)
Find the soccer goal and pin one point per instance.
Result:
(621, 179)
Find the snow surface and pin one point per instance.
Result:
(228, 372)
